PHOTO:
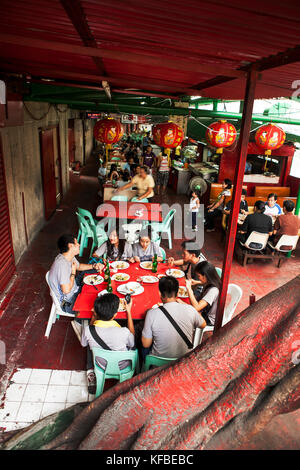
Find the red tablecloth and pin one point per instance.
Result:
(126, 210)
(140, 303)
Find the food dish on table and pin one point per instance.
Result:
(132, 288)
(93, 279)
(121, 307)
(120, 277)
(146, 264)
(161, 275)
(120, 265)
(149, 279)
(175, 273)
(182, 292)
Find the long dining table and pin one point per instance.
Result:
(138, 211)
(140, 302)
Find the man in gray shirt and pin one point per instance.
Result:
(159, 333)
(63, 271)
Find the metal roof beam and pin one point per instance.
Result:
(287, 57)
(175, 64)
(137, 84)
(76, 14)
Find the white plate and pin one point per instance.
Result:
(124, 290)
(103, 292)
(161, 275)
(93, 279)
(182, 292)
(149, 279)
(175, 273)
(124, 277)
(144, 264)
(120, 265)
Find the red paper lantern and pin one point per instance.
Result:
(221, 134)
(269, 137)
(108, 131)
(167, 135)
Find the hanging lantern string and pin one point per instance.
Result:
(212, 130)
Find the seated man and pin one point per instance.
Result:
(256, 222)
(272, 208)
(243, 204)
(144, 184)
(160, 333)
(62, 275)
(191, 256)
(287, 223)
(115, 337)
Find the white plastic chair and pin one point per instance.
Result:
(284, 240)
(256, 237)
(131, 232)
(260, 240)
(55, 311)
(236, 295)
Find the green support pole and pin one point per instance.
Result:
(298, 203)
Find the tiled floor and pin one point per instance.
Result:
(33, 394)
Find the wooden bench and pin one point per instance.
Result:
(264, 191)
(252, 199)
(216, 189)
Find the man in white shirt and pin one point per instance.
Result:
(271, 206)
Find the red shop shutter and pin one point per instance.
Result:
(7, 260)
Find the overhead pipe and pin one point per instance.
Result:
(163, 111)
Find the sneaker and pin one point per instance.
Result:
(77, 327)
(91, 381)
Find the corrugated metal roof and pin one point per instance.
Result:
(174, 45)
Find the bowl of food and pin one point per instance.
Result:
(120, 265)
(182, 292)
(93, 279)
(175, 273)
(120, 277)
(146, 264)
(149, 279)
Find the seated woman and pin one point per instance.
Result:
(145, 249)
(216, 208)
(114, 248)
(113, 174)
(211, 282)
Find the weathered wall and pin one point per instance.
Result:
(89, 126)
(78, 135)
(22, 160)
